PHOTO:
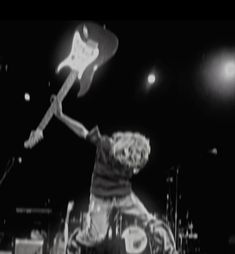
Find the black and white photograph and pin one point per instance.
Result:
(117, 136)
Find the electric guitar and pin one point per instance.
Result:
(92, 46)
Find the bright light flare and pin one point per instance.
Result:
(218, 75)
(20, 160)
(27, 97)
(151, 78)
(229, 70)
(213, 151)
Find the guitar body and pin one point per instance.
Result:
(108, 45)
(92, 46)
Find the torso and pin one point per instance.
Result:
(109, 177)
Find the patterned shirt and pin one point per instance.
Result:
(110, 178)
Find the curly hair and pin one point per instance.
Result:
(131, 149)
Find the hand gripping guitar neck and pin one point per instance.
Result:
(92, 46)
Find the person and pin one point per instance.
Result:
(118, 158)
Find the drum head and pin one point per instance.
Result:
(135, 239)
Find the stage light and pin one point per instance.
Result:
(218, 75)
(27, 97)
(229, 70)
(213, 151)
(151, 78)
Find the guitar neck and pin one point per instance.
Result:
(67, 218)
(60, 96)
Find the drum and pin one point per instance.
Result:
(135, 238)
(125, 235)
(132, 239)
(138, 239)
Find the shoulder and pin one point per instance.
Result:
(94, 136)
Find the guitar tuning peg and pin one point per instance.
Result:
(85, 31)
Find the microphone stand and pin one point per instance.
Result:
(172, 207)
(176, 205)
(9, 167)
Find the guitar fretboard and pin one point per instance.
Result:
(61, 94)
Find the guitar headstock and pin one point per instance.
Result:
(34, 138)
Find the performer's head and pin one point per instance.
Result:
(131, 149)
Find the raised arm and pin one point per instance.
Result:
(74, 125)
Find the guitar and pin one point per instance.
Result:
(92, 46)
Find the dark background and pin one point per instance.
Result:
(182, 124)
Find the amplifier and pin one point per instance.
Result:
(27, 246)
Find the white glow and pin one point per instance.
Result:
(218, 74)
(229, 70)
(151, 78)
(27, 96)
(213, 151)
